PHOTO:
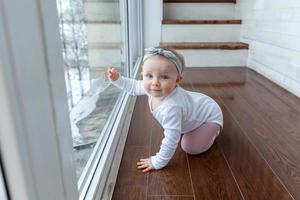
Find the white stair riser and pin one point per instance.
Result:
(201, 33)
(102, 11)
(103, 33)
(214, 58)
(199, 11)
(105, 57)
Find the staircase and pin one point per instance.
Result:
(104, 35)
(205, 32)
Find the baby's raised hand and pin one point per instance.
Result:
(112, 74)
(145, 165)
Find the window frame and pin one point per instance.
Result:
(3, 192)
(33, 100)
(96, 187)
(135, 39)
(43, 170)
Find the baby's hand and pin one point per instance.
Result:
(112, 74)
(145, 165)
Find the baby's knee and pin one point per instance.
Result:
(194, 149)
(189, 149)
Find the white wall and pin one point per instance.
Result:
(272, 29)
(152, 16)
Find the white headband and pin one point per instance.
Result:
(149, 52)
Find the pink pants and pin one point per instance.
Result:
(200, 139)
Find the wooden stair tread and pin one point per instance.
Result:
(195, 21)
(199, 1)
(205, 45)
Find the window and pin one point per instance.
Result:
(94, 37)
(3, 194)
(91, 43)
(52, 80)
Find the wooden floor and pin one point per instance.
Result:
(256, 156)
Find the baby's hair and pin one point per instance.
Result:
(178, 55)
(177, 59)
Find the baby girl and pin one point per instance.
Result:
(195, 116)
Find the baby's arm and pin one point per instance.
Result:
(167, 149)
(166, 152)
(172, 131)
(133, 87)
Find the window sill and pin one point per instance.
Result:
(104, 178)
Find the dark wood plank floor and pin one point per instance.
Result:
(256, 156)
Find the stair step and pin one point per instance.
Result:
(199, 1)
(104, 57)
(103, 32)
(200, 33)
(214, 57)
(233, 77)
(192, 11)
(211, 54)
(205, 21)
(205, 45)
(102, 10)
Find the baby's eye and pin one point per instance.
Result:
(164, 77)
(149, 75)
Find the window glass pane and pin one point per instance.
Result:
(92, 40)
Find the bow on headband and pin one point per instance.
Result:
(149, 52)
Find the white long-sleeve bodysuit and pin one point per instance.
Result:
(180, 112)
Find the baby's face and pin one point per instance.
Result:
(159, 76)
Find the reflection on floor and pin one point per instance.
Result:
(256, 156)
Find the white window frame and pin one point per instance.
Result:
(3, 192)
(35, 134)
(36, 143)
(135, 38)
